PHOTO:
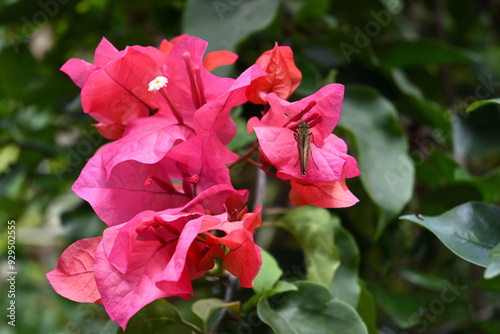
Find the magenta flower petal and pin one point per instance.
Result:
(73, 277)
(78, 70)
(337, 146)
(111, 197)
(283, 76)
(119, 92)
(327, 104)
(279, 147)
(177, 264)
(333, 194)
(206, 157)
(190, 50)
(146, 140)
(244, 257)
(105, 53)
(214, 116)
(123, 294)
(215, 59)
(250, 222)
(176, 71)
(213, 198)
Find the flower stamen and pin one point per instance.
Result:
(159, 84)
(199, 83)
(194, 91)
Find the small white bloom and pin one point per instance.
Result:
(157, 83)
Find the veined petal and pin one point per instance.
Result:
(73, 277)
(332, 194)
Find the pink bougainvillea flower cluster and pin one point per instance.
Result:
(162, 185)
(329, 164)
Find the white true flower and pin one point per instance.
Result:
(157, 83)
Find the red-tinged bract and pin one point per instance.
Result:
(282, 78)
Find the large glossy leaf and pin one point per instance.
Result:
(269, 273)
(313, 228)
(229, 22)
(159, 316)
(345, 284)
(309, 310)
(470, 230)
(493, 269)
(203, 308)
(387, 171)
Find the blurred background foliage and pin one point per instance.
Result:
(411, 69)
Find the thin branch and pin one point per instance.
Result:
(231, 287)
(244, 157)
(260, 188)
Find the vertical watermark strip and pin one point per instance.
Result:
(12, 272)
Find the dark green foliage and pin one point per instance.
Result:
(421, 116)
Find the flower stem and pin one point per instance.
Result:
(172, 106)
(244, 157)
(231, 287)
(260, 188)
(260, 167)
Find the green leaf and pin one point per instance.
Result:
(9, 154)
(470, 230)
(283, 286)
(203, 308)
(110, 327)
(435, 168)
(313, 228)
(225, 23)
(441, 169)
(345, 284)
(309, 310)
(387, 172)
(280, 287)
(366, 309)
(479, 104)
(421, 53)
(402, 308)
(493, 268)
(158, 316)
(268, 275)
